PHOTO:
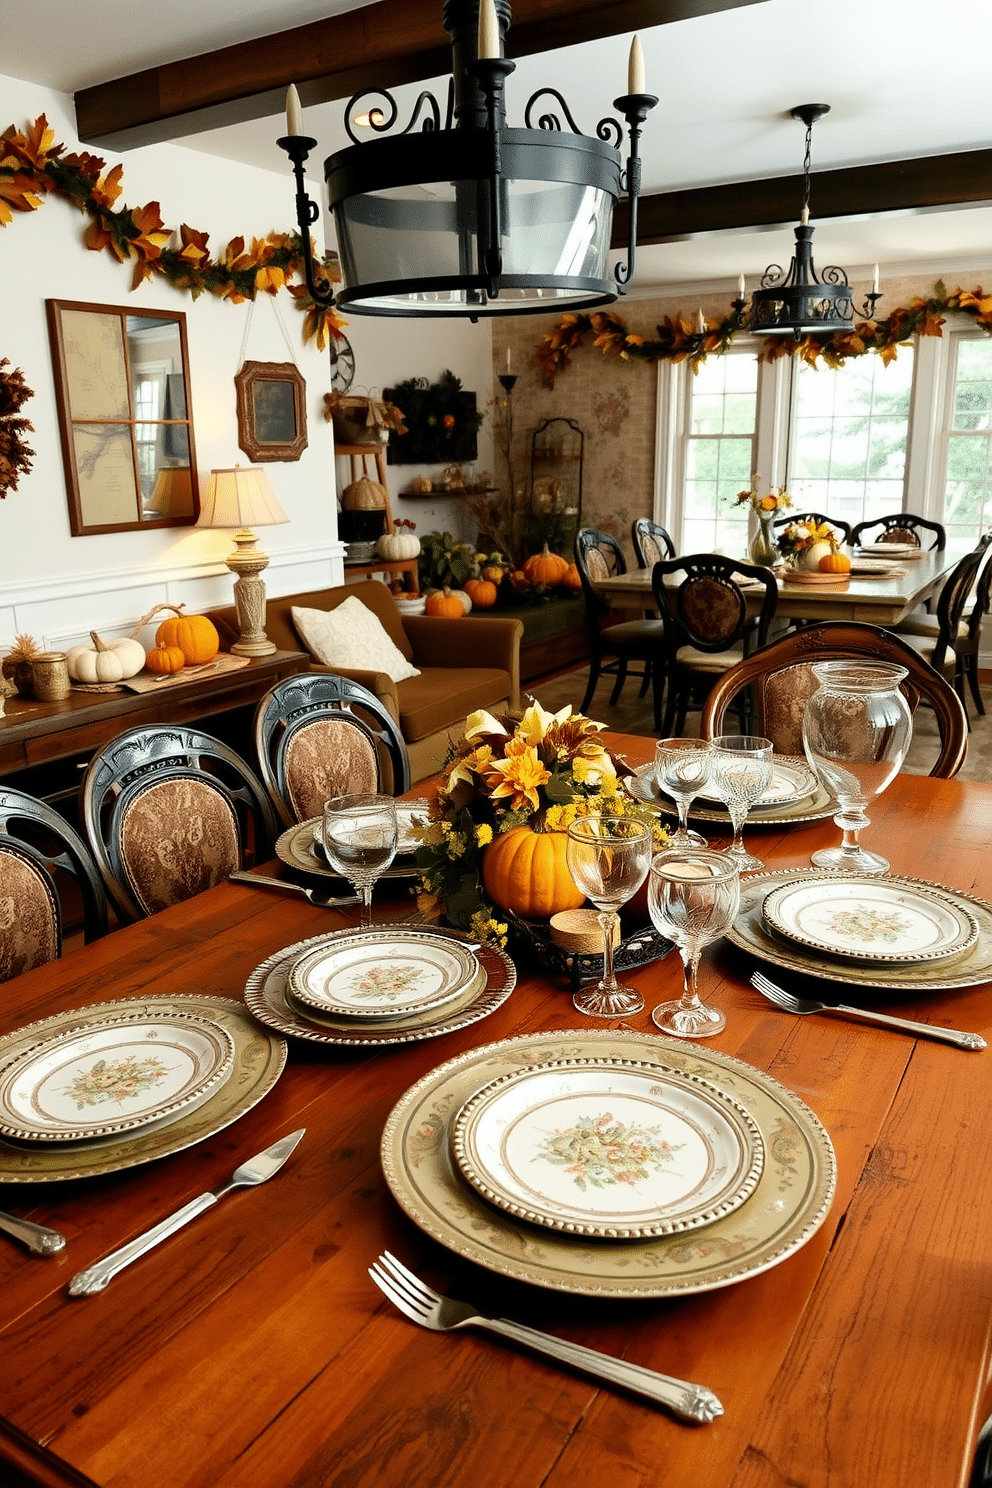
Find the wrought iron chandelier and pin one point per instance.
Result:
(474, 219)
(800, 303)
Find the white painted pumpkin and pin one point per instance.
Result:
(809, 558)
(105, 661)
(396, 545)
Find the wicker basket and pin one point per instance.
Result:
(359, 420)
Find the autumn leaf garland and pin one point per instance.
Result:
(678, 337)
(32, 165)
(15, 455)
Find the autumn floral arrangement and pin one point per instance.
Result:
(775, 501)
(495, 840)
(800, 538)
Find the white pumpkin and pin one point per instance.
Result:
(105, 661)
(809, 558)
(396, 545)
(466, 599)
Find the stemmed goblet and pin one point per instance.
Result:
(742, 771)
(681, 769)
(360, 842)
(693, 898)
(856, 730)
(608, 858)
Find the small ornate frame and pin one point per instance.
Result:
(272, 415)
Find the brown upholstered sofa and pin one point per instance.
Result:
(464, 664)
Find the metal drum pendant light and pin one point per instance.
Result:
(801, 303)
(474, 219)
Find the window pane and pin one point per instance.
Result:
(850, 428)
(722, 405)
(968, 485)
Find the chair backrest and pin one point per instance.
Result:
(838, 524)
(37, 846)
(652, 542)
(170, 811)
(958, 588)
(983, 594)
(318, 736)
(782, 673)
(902, 527)
(707, 608)
(598, 555)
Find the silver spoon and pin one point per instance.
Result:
(38, 1238)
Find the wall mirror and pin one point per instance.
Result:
(122, 385)
(272, 411)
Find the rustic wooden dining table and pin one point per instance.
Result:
(872, 600)
(252, 1348)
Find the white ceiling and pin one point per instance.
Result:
(898, 89)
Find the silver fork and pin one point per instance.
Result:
(428, 1308)
(790, 1004)
(321, 897)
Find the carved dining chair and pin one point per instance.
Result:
(599, 556)
(169, 812)
(950, 638)
(781, 674)
(318, 736)
(41, 859)
(710, 622)
(901, 527)
(842, 528)
(652, 542)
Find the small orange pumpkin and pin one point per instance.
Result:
(835, 563)
(195, 635)
(527, 872)
(546, 567)
(445, 604)
(572, 579)
(164, 660)
(481, 592)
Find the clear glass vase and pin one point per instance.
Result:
(763, 549)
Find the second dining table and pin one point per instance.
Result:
(253, 1347)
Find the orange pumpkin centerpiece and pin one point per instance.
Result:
(194, 635)
(546, 568)
(836, 562)
(525, 871)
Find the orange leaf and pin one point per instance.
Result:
(108, 187)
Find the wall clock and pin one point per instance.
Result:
(342, 364)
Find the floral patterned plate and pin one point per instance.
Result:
(376, 974)
(110, 1077)
(791, 781)
(268, 996)
(812, 807)
(968, 968)
(608, 1147)
(788, 1205)
(259, 1060)
(871, 919)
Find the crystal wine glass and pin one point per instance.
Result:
(608, 857)
(360, 842)
(742, 771)
(693, 897)
(856, 730)
(681, 769)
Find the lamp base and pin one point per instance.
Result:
(248, 562)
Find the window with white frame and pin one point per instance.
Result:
(720, 423)
(968, 438)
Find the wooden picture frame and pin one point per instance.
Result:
(272, 413)
(123, 393)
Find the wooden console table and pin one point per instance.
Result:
(42, 745)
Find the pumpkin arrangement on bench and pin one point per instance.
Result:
(182, 640)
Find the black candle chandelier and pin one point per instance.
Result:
(801, 303)
(474, 219)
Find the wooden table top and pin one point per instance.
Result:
(252, 1347)
(875, 601)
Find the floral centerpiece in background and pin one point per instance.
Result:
(803, 544)
(763, 550)
(496, 836)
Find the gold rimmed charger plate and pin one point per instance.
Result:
(295, 847)
(749, 933)
(259, 1060)
(814, 807)
(269, 997)
(788, 1205)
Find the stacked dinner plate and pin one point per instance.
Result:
(391, 984)
(793, 794)
(889, 933)
(99, 1088)
(594, 1162)
(302, 846)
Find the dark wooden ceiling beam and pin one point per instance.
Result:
(928, 184)
(381, 45)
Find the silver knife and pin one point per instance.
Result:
(250, 1173)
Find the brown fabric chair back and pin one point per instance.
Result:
(30, 925)
(328, 758)
(177, 838)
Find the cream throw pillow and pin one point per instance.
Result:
(351, 636)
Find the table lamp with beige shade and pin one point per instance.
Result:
(241, 498)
